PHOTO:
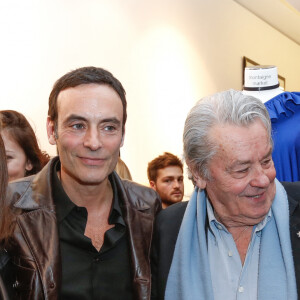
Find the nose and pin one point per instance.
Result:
(92, 139)
(176, 184)
(260, 178)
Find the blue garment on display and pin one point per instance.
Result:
(284, 111)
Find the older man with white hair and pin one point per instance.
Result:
(238, 237)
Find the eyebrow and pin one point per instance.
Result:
(268, 154)
(246, 162)
(171, 177)
(111, 120)
(74, 117)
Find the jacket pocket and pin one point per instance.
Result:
(24, 285)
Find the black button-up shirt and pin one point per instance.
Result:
(87, 273)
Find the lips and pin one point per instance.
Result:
(177, 193)
(256, 196)
(91, 161)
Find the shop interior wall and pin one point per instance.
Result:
(168, 54)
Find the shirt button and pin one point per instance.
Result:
(241, 289)
(229, 253)
(96, 259)
(51, 285)
(219, 226)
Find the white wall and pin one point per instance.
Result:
(167, 54)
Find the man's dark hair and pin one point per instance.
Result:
(85, 75)
(161, 162)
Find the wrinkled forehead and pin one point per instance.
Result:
(84, 91)
(232, 133)
(235, 140)
(88, 99)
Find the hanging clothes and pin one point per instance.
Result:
(284, 111)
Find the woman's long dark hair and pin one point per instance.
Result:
(20, 130)
(22, 133)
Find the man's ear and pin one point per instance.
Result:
(200, 182)
(152, 185)
(123, 137)
(51, 131)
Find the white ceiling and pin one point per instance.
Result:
(283, 15)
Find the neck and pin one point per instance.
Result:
(235, 226)
(92, 197)
(164, 205)
(241, 233)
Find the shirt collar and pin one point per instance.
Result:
(212, 218)
(62, 202)
(261, 225)
(116, 212)
(210, 212)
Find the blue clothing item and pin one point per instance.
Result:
(230, 278)
(190, 277)
(284, 111)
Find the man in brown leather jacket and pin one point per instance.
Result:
(76, 230)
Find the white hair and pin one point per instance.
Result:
(228, 107)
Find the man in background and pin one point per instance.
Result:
(165, 174)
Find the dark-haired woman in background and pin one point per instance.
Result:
(24, 157)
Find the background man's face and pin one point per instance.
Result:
(89, 132)
(242, 187)
(169, 185)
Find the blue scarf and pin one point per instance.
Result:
(189, 277)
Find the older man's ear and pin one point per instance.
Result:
(200, 182)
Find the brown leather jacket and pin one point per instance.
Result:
(34, 248)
